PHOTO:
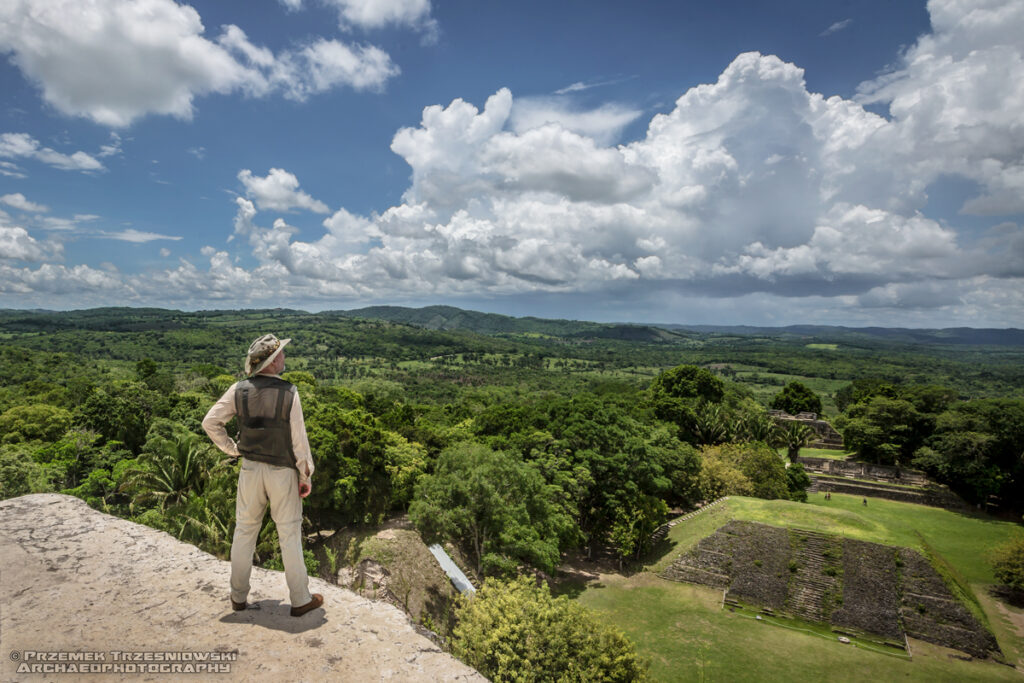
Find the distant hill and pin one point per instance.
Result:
(951, 335)
(451, 318)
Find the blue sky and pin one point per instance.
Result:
(855, 163)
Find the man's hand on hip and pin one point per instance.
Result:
(305, 488)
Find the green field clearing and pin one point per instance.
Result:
(826, 347)
(766, 384)
(686, 635)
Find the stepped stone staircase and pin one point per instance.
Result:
(810, 588)
(876, 591)
(662, 531)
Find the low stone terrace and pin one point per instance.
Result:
(854, 586)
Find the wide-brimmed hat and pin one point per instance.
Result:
(262, 353)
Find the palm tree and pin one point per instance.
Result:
(756, 426)
(711, 424)
(207, 526)
(172, 471)
(794, 436)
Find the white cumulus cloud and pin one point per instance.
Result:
(374, 14)
(278, 191)
(17, 245)
(955, 99)
(114, 62)
(752, 190)
(604, 124)
(750, 184)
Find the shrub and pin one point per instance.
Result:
(797, 482)
(1008, 562)
(516, 631)
(750, 469)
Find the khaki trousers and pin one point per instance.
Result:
(259, 482)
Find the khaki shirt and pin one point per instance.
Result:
(224, 409)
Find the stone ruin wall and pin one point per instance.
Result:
(828, 437)
(864, 470)
(885, 590)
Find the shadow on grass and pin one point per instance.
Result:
(660, 550)
(1007, 595)
(574, 586)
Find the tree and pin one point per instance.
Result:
(98, 490)
(170, 471)
(930, 398)
(676, 394)
(752, 469)
(722, 477)
(123, 412)
(31, 422)
(76, 453)
(796, 398)
(861, 389)
(1007, 561)
(406, 463)
(517, 631)
(602, 457)
(350, 452)
(19, 474)
(679, 463)
(711, 424)
(976, 448)
(631, 530)
(495, 507)
(797, 482)
(689, 382)
(885, 430)
(148, 372)
(794, 436)
(755, 425)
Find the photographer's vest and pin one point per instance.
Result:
(263, 405)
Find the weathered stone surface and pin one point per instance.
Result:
(880, 594)
(759, 563)
(871, 595)
(76, 580)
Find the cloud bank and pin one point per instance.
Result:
(752, 189)
(113, 62)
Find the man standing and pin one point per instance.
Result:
(276, 467)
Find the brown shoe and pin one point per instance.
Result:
(309, 606)
(238, 606)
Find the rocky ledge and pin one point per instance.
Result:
(77, 581)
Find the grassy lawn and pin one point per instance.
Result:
(821, 453)
(688, 637)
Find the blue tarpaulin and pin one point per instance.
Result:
(459, 579)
